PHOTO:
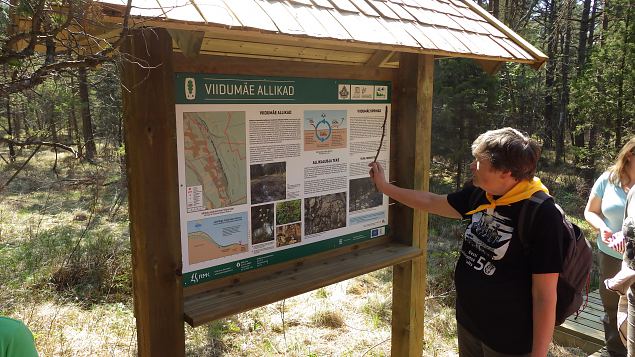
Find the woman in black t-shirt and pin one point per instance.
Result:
(506, 299)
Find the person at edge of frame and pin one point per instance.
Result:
(505, 298)
(628, 231)
(605, 212)
(16, 340)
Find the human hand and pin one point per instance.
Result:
(606, 234)
(376, 173)
(618, 243)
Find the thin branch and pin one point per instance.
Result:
(3, 159)
(383, 133)
(38, 36)
(370, 349)
(20, 169)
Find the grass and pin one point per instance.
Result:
(65, 244)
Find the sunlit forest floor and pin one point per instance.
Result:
(64, 245)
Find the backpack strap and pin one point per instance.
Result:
(527, 215)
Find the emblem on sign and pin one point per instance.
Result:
(190, 88)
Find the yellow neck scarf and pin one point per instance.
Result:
(521, 191)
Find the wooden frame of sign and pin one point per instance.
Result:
(161, 303)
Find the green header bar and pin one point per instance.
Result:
(197, 88)
(219, 271)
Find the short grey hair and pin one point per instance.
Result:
(509, 150)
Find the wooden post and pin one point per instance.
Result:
(411, 169)
(150, 134)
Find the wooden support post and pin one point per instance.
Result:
(411, 170)
(150, 128)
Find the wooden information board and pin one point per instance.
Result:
(167, 202)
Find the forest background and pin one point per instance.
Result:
(64, 241)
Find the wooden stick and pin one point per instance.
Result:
(383, 133)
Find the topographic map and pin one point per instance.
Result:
(215, 152)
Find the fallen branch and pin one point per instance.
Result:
(40, 143)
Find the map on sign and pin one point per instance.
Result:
(215, 152)
(216, 237)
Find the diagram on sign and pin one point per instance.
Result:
(324, 129)
(217, 237)
(215, 165)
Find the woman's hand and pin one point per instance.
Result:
(376, 173)
(618, 243)
(606, 234)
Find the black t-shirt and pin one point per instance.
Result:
(493, 273)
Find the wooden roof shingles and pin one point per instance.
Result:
(441, 27)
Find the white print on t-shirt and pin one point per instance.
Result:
(486, 241)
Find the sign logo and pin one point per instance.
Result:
(190, 88)
(343, 91)
(381, 92)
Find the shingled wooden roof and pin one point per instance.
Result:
(335, 31)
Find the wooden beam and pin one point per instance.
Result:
(283, 50)
(263, 67)
(414, 123)
(490, 67)
(379, 58)
(226, 300)
(150, 127)
(189, 42)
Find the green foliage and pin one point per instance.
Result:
(602, 96)
(55, 239)
(106, 104)
(463, 101)
(288, 212)
(321, 293)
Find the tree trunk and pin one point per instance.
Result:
(87, 122)
(10, 129)
(590, 161)
(495, 8)
(458, 154)
(605, 29)
(76, 138)
(583, 37)
(552, 47)
(590, 39)
(50, 118)
(578, 135)
(564, 96)
(619, 117)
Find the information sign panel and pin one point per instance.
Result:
(273, 169)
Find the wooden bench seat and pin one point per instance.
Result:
(219, 302)
(585, 331)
